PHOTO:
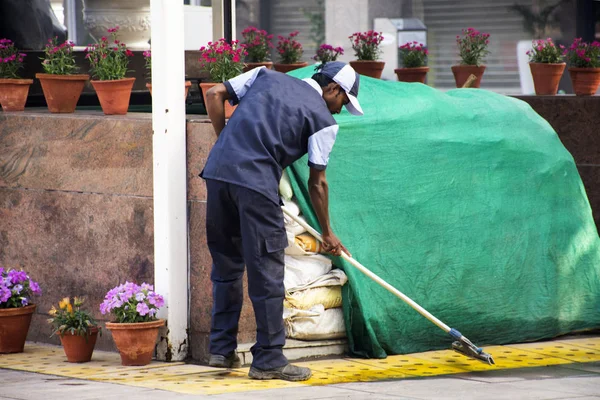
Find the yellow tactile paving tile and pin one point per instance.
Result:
(46, 359)
(215, 382)
(326, 372)
(564, 350)
(197, 379)
(591, 343)
(412, 366)
(141, 374)
(504, 358)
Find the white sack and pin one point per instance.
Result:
(335, 277)
(315, 324)
(300, 270)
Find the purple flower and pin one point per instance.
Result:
(4, 294)
(24, 301)
(142, 309)
(140, 296)
(159, 301)
(17, 276)
(35, 287)
(17, 289)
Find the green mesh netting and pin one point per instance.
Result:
(468, 203)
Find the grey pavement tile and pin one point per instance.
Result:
(579, 385)
(153, 394)
(451, 388)
(581, 398)
(30, 386)
(516, 375)
(302, 393)
(590, 367)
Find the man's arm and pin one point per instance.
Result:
(319, 196)
(215, 106)
(232, 90)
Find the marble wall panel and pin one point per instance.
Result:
(84, 153)
(76, 244)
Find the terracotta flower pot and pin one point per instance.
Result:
(546, 77)
(416, 74)
(187, 88)
(114, 95)
(13, 93)
(251, 65)
(14, 325)
(585, 80)
(285, 68)
(135, 341)
(462, 73)
(229, 109)
(79, 349)
(62, 91)
(368, 68)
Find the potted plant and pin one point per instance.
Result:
(547, 66)
(414, 62)
(148, 64)
(223, 61)
(539, 20)
(135, 327)
(584, 66)
(290, 52)
(76, 328)
(327, 52)
(258, 45)
(16, 309)
(60, 85)
(13, 89)
(108, 62)
(366, 47)
(472, 49)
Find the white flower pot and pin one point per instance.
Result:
(131, 16)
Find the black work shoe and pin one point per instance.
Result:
(288, 372)
(219, 361)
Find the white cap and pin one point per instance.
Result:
(344, 75)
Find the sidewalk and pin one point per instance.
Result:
(559, 369)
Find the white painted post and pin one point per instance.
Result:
(71, 22)
(170, 175)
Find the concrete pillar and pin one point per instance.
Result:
(171, 277)
(344, 17)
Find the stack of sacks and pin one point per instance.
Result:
(313, 287)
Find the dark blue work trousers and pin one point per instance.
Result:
(245, 227)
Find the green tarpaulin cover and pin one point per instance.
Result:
(467, 202)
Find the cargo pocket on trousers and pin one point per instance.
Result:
(276, 243)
